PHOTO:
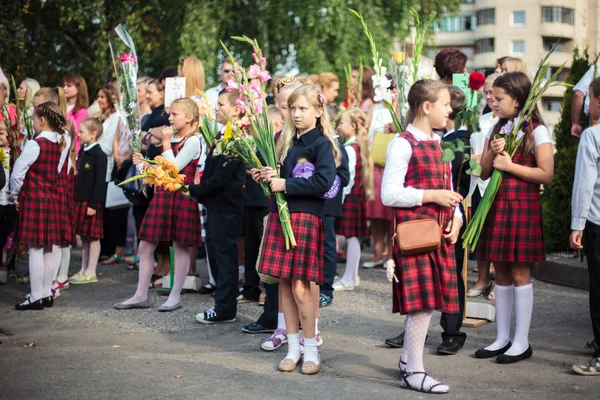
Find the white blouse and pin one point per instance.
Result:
(352, 158)
(393, 191)
(189, 152)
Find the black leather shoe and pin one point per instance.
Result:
(255, 327)
(207, 289)
(449, 347)
(483, 353)
(28, 305)
(396, 342)
(504, 359)
(48, 301)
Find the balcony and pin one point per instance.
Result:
(484, 60)
(557, 29)
(556, 91)
(483, 31)
(454, 39)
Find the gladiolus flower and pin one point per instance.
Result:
(263, 62)
(240, 103)
(255, 57)
(476, 80)
(258, 107)
(253, 71)
(232, 85)
(264, 76)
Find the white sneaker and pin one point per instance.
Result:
(340, 286)
(373, 264)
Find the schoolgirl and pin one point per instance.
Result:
(353, 223)
(512, 237)
(307, 137)
(90, 193)
(33, 188)
(417, 184)
(171, 216)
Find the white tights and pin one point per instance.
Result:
(352, 260)
(42, 261)
(61, 273)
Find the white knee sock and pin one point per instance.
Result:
(311, 352)
(352, 260)
(523, 311)
(280, 321)
(65, 261)
(36, 273)
(504, 303)
(51, 260)
(93, 257)
(294, 347)
(182, 265)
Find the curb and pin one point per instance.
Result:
(561, 273)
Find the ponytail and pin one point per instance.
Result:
(357, 117)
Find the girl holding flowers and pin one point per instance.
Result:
(418, 185)
(307, 137)
(90, 193)
(172, 217)
(353, 223)
(512, 236)
(33, 182)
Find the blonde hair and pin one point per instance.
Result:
(326, 79)
(193, 71)
(94, 125)
(312, 94)
(358, 117)
(424, 90)
(312, 79)
(514, 64)
(32, 87)
(491, 78)
(189, 107)
(55, 95)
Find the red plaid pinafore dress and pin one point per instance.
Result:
(173, 216)
(513, 230)
(353, 222)
(86, 226)
(425, 281)
(39, 220)
(66, 204)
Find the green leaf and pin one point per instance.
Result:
(476, 170)
(474, 124)
(466, 156)
(448, 155)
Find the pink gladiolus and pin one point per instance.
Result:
(258, 108)
(253, 71)
(255, 57)
(264, 76)
(127, 58)
(257, 91)
(232, 85)
(240, 103)
(263, 62)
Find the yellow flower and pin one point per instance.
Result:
(228, 134)
(399, 57)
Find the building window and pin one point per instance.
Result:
(467, 1)
(517, 47)
(487, 16)
(550, 42)
(484, 46)
(553, 105)
(456, 24)
(562, 77)
(517, 18)
(558, 14)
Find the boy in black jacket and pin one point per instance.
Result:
(220, 191)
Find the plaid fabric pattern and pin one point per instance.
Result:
(66, 205)
(305, 261)
(173, 216)
(88, 227)
(513, 230)
(39, 219)
(353, 222)
(425, 281)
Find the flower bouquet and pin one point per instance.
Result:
(22, 106)
(15, 138)
(161, 173)
(252, 102)
(209, 128)
(125, 63)
(513, 135)
(352, 97)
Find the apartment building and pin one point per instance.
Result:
(486, 30)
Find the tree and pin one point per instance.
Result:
(556, 200)
(47, 39)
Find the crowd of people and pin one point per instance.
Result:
(62, 184)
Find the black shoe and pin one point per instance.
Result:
(398, 341)
(211, 317)
(504, 359)
(449, 347)
(483, 353)
(255, 327)
(29, 305)
(207, 289)
(48, 301)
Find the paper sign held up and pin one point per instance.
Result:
(174, 89)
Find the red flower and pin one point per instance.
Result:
(127, 58)
(476, 80)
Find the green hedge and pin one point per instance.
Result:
(556, 200)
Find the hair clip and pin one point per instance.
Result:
(321, 99)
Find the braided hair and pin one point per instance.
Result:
(54, 118)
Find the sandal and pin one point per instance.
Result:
(135, 265)
(114, 259)
(422, 389)
(156, 283)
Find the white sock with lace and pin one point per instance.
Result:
(294, 347)
(414, 343)
(523, 311)
(504, 303)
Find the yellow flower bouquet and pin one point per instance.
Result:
(161, 173)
